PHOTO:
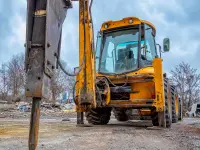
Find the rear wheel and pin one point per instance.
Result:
(162, 118)
(175, 104)
(98, 116)
(120, 114)
(167, 118)
(180, 111)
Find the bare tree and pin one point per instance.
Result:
(187, 82)
(12, 80)
(16, 75)
(4, 88)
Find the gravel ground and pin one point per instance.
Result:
(58, 135)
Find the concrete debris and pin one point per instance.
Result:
(66, 119)
(194, 111)
(66, 106)
(3, 102)
(23, 109)
(23, 106)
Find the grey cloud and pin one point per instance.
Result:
(9, 8)
(192, 11)
(177, 19)
(188, 14)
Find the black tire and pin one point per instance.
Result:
(167, 113)
(120, 114)
(173, 100)
(180, 110)
(154, 117)
(154, 114)
(98, 116)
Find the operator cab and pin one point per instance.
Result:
(125, 46)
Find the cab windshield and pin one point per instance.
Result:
(124, 51)
(120, 51)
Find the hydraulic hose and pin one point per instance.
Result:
(67, 72)
(84, 59)
(74, 88)
(115, 84)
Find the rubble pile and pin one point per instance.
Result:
(23, 109)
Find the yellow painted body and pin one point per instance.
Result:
(159, 85)
(144, 90)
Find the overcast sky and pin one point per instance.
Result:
(177, 19)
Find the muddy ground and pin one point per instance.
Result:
(56, 134)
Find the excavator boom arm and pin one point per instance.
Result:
(43, 43)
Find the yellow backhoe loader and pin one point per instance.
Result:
(124, 71)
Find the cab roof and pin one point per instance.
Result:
(125, 22)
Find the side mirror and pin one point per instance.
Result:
(166, 45)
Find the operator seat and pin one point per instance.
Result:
(120, 62)
(125, 60)
(130, 61)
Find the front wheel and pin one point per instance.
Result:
(98, 116)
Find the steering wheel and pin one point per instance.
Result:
(121, 65)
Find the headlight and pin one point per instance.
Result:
(130, 21)
(106, 26)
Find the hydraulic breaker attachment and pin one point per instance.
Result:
(43, 39)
